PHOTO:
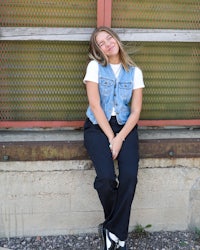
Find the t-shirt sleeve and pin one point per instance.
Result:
(138, 81)
(91, 72)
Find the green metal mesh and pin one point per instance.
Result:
(172, 79)
(161, 14)
(43, 80)
(51, 13)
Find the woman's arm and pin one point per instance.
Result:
(136, 106)
(94, 103)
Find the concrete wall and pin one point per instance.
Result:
(50, 198)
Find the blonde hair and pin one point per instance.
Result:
(95, 52)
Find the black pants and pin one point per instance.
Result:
(116, 193)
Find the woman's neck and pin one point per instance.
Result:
(114, 60)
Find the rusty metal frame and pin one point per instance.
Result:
(75, 150)
(79, 124)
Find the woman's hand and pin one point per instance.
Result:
(115, 146)
(136, 105)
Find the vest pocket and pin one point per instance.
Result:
(105, 86)
(125, 90)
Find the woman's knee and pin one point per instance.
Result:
(105, 185)
(129, 181)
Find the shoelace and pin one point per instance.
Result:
(117, 245)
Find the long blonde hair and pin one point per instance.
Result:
(95, 52)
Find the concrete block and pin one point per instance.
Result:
(51, 198)
(87, 195)
(194, 205)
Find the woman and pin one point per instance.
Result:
(114, 89)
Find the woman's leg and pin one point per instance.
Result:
(116, 200)
(97, 146)
(128, 169)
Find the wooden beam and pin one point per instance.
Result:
(104, 13)
(83, 34)
(159, 35)
(45, 34)
(108, 13)
(100, 12)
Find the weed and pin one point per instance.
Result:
(183, 244)
(139, 229)
(197, 234)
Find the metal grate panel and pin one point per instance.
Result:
(50, 13)
(172, 79)
(168, 14)
(43, 80)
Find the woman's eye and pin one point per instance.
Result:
(101, 44)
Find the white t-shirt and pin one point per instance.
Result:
(93, 70)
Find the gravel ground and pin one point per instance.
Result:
(138, 241)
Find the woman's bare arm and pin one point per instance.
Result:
(136, 106)
(94, 102)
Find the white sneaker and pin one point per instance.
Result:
(110, 244)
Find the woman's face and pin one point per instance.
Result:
(107, 44)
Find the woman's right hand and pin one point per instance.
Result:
(115, 146)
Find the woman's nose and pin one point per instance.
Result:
(107, 43)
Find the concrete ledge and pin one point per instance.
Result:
(57, 197)
(53, 197)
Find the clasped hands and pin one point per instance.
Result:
(115, 146)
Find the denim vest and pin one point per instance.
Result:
(114, 92)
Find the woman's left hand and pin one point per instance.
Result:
(115, 146)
